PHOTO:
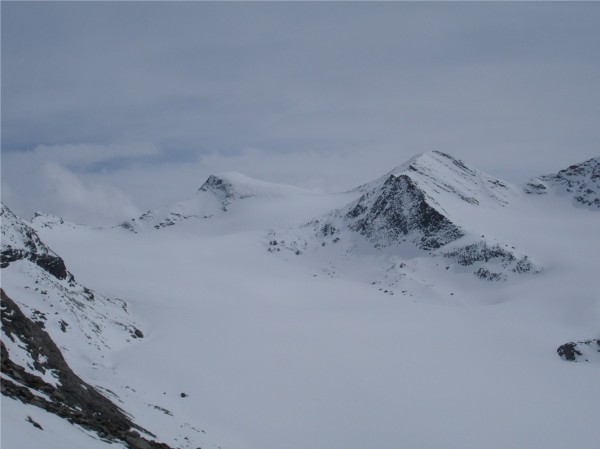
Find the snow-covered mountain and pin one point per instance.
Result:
(432, 206)
(580, 182)
(262, 316)
(215, 197)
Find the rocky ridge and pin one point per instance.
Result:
(581, 182)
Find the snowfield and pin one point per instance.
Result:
(249, 345)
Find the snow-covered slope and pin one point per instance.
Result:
(59, 342)
(580, 182)
(51, 317)
(83, 322)
(44, 220)
(35, 373)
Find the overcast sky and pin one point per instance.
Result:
(109, 109)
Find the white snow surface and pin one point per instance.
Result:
(330, 348)
(56, 433)
(447, 179)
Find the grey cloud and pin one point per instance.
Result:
(511, 87)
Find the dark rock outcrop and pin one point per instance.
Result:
(400, 209)
(223, 189)
(495, 261)
(579, 351)
(23, 243)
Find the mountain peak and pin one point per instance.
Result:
(236, 185)
(579, 181)
(230, 185)
(20, 241)
(430, 159)
(444, 178)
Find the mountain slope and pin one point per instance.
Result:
(35, 373)
(80, 320)
(63, 340)
(580, 182)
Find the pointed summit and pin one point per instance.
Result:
(422, 201)
(214, 198)
(441, 175)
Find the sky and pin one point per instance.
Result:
(110, 109)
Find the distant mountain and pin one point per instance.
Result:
(213, 198)
(418, 202)
(42, 220)
(580, 182)
(425, 207)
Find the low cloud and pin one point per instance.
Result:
(102, 204)
(57, 180)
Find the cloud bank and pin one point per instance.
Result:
(143, 100)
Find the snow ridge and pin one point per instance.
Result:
(438, 173)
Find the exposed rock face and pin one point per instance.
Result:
(223, 189)
(581, 351)
(20, 241)
(67, 396)
(397, 210)
(417, 202)
(579, 181)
